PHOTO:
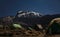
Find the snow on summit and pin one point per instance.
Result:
(27, 13)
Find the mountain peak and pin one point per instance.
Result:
(27, 13)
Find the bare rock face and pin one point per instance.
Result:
(7, 20)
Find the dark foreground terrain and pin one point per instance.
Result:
(24, 33)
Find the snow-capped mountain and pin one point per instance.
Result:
(28, 17)
(27, 14)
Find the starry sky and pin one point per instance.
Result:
(10, 7)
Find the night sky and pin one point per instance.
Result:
(10, 7)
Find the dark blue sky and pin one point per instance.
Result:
(10, 7)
